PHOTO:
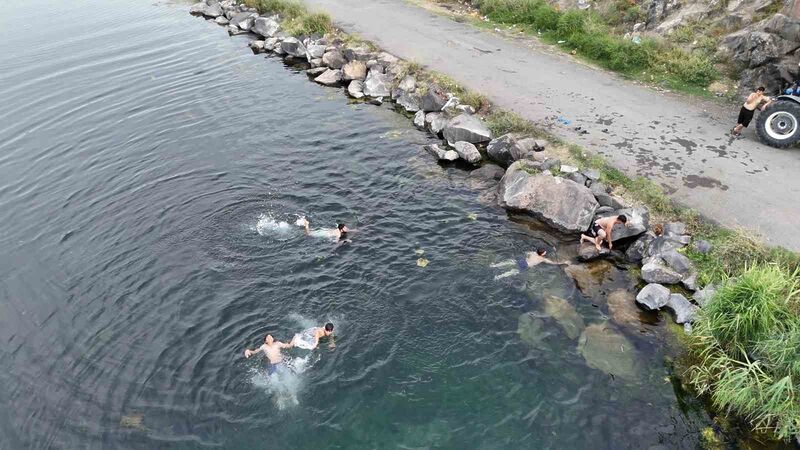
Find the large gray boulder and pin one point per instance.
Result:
(661, 245)
(434, 100)
(678, 262)
(435, 122)
(330, 78)
(335, 60)
(466, 128)
(468, 152)
(638, 222)
(356, 89)
(314, 51)
(653, 296)
(638, 250)
(509, 147)
(656, 271)
(244, 20)
(211, 9)
(291, 46)
(377, 84)
(685, 312)
(265, 26)
(409, 102)
(561, 203)
(357, 54)
(353, 70)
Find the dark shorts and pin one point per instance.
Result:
(594, 230)
(522, 264)
(274, 368)
(745, 116)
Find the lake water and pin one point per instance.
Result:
(151, 171)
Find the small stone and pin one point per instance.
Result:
(257, 46)
(354, 70)
(377, 101)
(435, 150)
(450, 155)
(592, 174)
(578, 178)
(376, 85)
(419, 120)
(410, 103)
(291, 46)
(330, 78)
(435, 122)
(466, 128)
(655, 271)
(334, 60)
(568, 169)
(684, 311)
(317, 71)
(265, 26)
(356, 89)
(653, 296)
(433, 100)
(222, 20)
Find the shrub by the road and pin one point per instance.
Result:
(746, 345)
(591, 35)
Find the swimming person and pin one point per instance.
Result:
(601, 230)
(532, 259)
(338, 233)
(272, 350)
(309, 338)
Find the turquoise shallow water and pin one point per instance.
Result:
(151, 170)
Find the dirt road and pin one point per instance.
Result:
(681, 143)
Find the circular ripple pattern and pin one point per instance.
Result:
(151, 171)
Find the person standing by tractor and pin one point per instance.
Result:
(749, 109)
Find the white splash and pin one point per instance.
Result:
(268, 226)
(285, 384)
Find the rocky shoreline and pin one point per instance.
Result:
(523, 176)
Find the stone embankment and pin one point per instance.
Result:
(526, 177)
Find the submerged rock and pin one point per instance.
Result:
(488, 172)
(561, 203)
(608, 351)
(592, 277)
(622, 307)
(466, 128)
(468, 152)
(685, 312)
(532, 330)
(565, 315)
(653, 296)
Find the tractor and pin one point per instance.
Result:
(779, 124)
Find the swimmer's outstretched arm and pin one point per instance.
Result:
(285, 345)
(248, 353)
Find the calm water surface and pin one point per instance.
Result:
(151, 170)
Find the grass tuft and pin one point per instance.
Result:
(295, 18)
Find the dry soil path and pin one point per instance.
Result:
(681, 143)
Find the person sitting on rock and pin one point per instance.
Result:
(601, 230)
(531, 259)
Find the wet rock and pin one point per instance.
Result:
(330, 78)
(233, 30)
(588, 252)
(244, 20)
(638, 250)
(561, 203)
(377, 101)
(257, 46)
(488, 172)
(291, 46)
(608, 351)
(466, 128)
(419, 120)
(434, 100)
(409, 102)
(532, 330)
(265, 27)
(656, 271)
(622, 308)
(468, 152)
(270, 43)
(377, 85)
(653, 296)
(435, 122)
(357, 54)
(356, 89)
(702, 246)
(565, 316)
(638, 223)
(685, 312)
(435, 150)
(335, 60)
(353, 70)
(704, 296)
(221, 20)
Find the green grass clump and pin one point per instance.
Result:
(592, 35)
(747, 347)
(502, 122)
(295, 18)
